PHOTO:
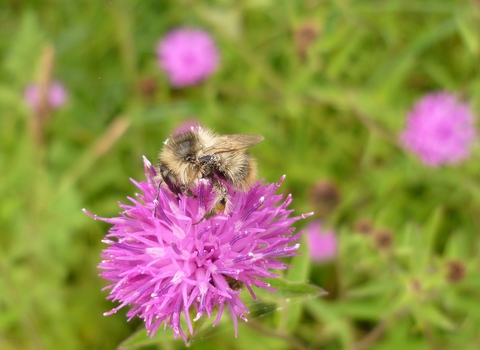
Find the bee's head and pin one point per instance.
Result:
(182, 148)
(180, 155)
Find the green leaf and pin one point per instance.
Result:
(466, 28)
(226, 20)
(429, 236)
(291, 290)
(301, 264)
(20, 61)
(299, 272)
(373, 288)
(389, 76)
(430, 315)
(463, 303)
(139, 339)
(365, 309)
(335, 324)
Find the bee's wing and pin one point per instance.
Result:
(229, 143)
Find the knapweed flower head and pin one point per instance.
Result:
(187, 56)
(164, 260)
(187, 125)
(56, 96)
(440, 130)
(322, 244)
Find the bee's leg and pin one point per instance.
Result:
(220, 203)
(221, 199)
(169, 179)
(166, 177)
(155, 202)
(187, 192)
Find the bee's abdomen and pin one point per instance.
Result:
(239, 169)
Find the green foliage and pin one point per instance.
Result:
(329, 111)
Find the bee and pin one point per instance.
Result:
(198, 154)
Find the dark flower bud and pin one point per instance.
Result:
(383, 239)
(323, 197)
(455, 271)
(304, 36)
(363, 226)
(415, 286)
(148, 87)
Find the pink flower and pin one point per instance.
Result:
(172, 262)
(322, 244)
(56, 96)
(187, 125)
(188, 56)
(440, 130)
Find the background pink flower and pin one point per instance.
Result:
(187, 125)
(188, 56)
(440, 129)
(56, 95)
(322, 244)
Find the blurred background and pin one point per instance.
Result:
(328, 83)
